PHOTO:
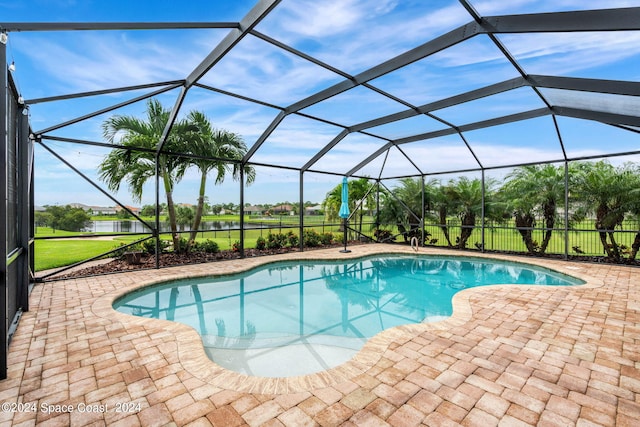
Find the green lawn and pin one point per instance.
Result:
(52, 253)
(56, 253)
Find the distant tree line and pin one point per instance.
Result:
(63, 218)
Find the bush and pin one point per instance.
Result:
(208, 246)
(381, 234)
(149, 246)
(276, 241)
(312, 238)
(236, 246)
(183, 245)
(292, 239)
(326, 238)
(261, 243)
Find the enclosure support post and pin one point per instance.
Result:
(422, 213)
(25, 208)
(241, 210)
(4, 99)
(566, 210)
(483, 211)
(301, 213)
(377, 204)
(157, 225)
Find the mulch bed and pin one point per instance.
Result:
(171, 259)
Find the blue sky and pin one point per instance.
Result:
(351, 35)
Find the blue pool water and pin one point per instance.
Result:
(339, 304)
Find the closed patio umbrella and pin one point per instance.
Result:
(344, 210)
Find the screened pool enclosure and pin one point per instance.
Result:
(375, 91)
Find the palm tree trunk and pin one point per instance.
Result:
(614, 247)
(468, 222)
(524, 224)
(635, 247)
(199, 209)
(549, 215)
(443, 225)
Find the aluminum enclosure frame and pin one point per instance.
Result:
(627, 19)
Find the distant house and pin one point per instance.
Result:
(101, 210)
(282, 210)
(131, 208)
(254, 210)
(313, 210)
(79, 206)
(96, 210)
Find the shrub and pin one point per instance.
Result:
(149, 246)
(381, 234)
(208, 246)
(236, 246)
(311, 238)
(261, 243)
(326, 238)
(276, 241)
(292, 239)
(183, 246)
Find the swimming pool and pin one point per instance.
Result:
(298, 317)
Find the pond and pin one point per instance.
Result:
(128, 226)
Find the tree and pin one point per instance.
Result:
(608, 192)
(635, 210)
(441, 205)
(359, 197)
(67, 218)
(405, 207)
(535, 190)
(184, 216)
(331, 203)
(148, 210)
(217, 151)
(466, 201)
(136, 167)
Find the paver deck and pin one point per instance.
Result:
(526, 355)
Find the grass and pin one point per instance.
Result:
(53, 253)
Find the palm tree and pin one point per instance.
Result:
(441, 205)
(607, 191)
(331, 203)
(359, 197)
(214, 148)
(136, 167)
(358, 192)
(392, 213)
(531, 189)
(466, 198)
(635, 210)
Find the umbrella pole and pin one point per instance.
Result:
(345, 250)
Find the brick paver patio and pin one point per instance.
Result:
(548, 356)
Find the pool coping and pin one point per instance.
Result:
(191, 351)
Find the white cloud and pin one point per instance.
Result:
(92, 61)
(317, 19)
(260, 71)
(491, 7)
(561, 54)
